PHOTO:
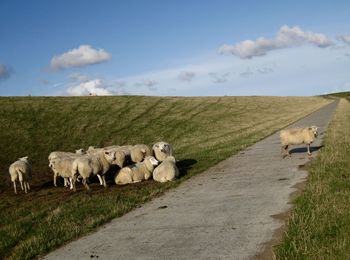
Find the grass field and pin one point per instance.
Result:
(319, 226)
(203, 131)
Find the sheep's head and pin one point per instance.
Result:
(52, 164)
(314, 130)
(80, 151)
(110, 156)
(162, 146)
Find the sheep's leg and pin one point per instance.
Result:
(72, 187)
(284, 151)
(308, 150)
(25, 187)
(21, 182)
(28, 187)
(71, 183)
(104, 181)
(100, 179)
(14, 187)
(54, 179)
(85, 184)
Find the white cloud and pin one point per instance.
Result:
(247, 73)
(91, 87)
(265, 70)
(344, 38)
(82, 56)
(286, 37)
(186, 75)
(77, 77)
(219, 78)
(5, 72)
(150, 83)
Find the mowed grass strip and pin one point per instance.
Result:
(319, 226)
(203, 130)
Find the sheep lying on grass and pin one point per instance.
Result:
(88, 165)
(21, 170)
(136, 172)
(297, 136)
(166, 171)
(62, 167)
(138, 152)
(162, 150)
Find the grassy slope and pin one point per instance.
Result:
(203, 131)
(319, 226)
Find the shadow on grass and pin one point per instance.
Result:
(304, 149)
(185, 165)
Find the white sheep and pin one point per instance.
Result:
(136, 172)
(297, 136)
(58, 154)
(21, 170)
(138, 152)
(162, 150)
(62, 167)
(92, 164)
(166, 171)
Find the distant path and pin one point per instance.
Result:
(223, 213)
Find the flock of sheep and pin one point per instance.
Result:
(136, 163)
(144, 163)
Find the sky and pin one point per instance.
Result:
(174, 48)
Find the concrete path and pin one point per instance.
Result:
(224, 213)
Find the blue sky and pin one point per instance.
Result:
(184, 48)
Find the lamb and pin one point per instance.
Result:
(138, 152)
(62, 167)
(297, 136)
(166, 171)
(136, 172)
(162, 150)
(21, 170)
(88, 165)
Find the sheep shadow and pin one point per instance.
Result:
(304, 149)
(185, 165)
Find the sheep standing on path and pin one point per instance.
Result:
(88, 165)
(21, 170)
(136, 172)
(297, 136)
(162, 150)
(166, 171)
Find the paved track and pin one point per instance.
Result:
(224, 213)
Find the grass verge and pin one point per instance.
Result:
(319, 225)
(204, 131)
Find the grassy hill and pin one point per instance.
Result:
(203, 130)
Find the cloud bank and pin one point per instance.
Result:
(82, 56)
(286, 37)
(5, 72)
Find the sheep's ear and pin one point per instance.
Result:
(143, 150)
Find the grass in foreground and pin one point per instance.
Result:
(319, 226)
(203, 131)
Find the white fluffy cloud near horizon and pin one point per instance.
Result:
(286, 37)
(93, 87)
(82, 56)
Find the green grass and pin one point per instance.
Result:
(204, 131)
(319, 226)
